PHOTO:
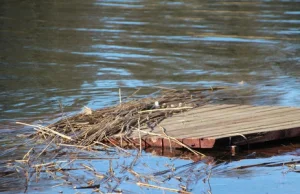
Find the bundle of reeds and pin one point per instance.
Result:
(90, 126)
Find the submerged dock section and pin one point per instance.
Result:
(239, 124)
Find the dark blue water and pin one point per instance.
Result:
(80, 53)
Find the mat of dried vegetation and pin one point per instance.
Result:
(94, 126)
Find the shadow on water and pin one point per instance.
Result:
(64, 169)
(79, 54)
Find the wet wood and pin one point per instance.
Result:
(200, 127)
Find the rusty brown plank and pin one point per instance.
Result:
(147, 142)
(272, 135)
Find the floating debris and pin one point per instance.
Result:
(121, 120)
(62, 149)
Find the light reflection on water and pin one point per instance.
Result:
(235, 177)
(81, 53)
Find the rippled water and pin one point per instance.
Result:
(81, 53)
(238, 174)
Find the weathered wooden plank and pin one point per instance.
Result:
(223, 119)
(199, 127)
(235, 121)
(210, 113)
(220, 116)
(211, 110)
(240, 127)
(244, 131)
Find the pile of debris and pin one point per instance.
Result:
(94, 126)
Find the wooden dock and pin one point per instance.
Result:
(241, 124)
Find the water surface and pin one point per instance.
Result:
(80, 54)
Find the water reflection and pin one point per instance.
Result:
(80, 54)
(74, 170)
